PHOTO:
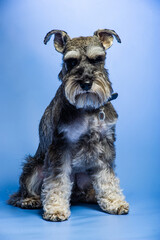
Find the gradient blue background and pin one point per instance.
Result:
(28, 82)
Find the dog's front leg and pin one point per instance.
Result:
(56, 189)
(108, 193)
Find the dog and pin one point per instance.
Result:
(75, 159)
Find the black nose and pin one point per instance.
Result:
(86, 86)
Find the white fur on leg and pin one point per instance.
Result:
(56, 196)
(108, 193)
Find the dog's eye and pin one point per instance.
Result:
(97, 59)
(70, 63)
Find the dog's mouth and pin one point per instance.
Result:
(87, 100)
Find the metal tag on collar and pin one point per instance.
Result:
(101, 115)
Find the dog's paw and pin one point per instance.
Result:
(116, 207)
(56, 216)
(30, 203)
(27, 203)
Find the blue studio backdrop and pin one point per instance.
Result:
(28, 82)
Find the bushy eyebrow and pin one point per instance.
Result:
(72, 54)
(93, 51)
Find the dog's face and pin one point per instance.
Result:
(85, 80)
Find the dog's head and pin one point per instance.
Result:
(85, 80)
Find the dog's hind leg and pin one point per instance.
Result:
(31, 179)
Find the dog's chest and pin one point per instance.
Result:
(74, 129)
(82, 125)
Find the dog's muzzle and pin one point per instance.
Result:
(88, 93)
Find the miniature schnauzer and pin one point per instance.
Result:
(75, 157)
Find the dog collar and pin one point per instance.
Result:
(102, 113)
(113, 97)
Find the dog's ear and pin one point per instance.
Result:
(60, 39)
(106, 37)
